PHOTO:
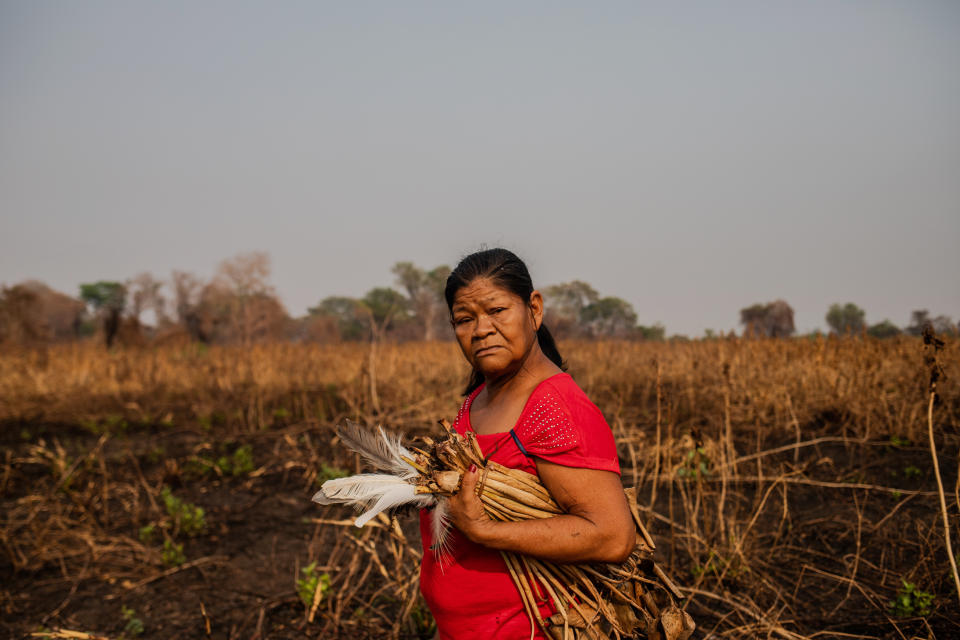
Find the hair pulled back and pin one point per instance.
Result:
(505, 270)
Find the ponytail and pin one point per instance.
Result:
(549, 347)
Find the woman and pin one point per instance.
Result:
(527, 414)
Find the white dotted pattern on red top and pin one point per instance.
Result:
(545, 426)
(464, 408)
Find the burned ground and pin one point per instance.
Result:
(788, 486)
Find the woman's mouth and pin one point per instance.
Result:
(485, 351)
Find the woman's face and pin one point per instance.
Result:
(496, 328)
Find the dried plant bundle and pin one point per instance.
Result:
(592, 601)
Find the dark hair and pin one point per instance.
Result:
(505, 270)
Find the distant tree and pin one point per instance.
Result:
(370, 317)
(846, 319)
(943, 325)
(347, 313)
(653, 333)
(780, 319)
(425, 293)
(919, 319)
(20, 318)
(885, 329)
(108, 300)
(383, 307)
(754, 319)
(144, 293)
(317, 328)
(33, 312)
(565, 303)
(609, 317)
(186, 300)
(237, 305)
(771, 320)
(242, 303)
(246, 274)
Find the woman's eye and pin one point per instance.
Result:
(498, 309)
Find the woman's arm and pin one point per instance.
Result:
(596, 526)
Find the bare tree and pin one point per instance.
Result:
(20, 318)
(245, 274)
(239, 303)
(145, 295)
(780, 319)
(31, 311)
(565, 304)
(943, 325)
(425, 292)
(771, 320)
(920, 319)
(186, 300)
(753, 319)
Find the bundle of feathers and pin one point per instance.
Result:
(595, 601)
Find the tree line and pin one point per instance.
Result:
(238, 305)
(775, 320)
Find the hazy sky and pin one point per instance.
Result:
(690, 157)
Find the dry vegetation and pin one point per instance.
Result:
(164, 492)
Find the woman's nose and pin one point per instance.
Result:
(483, 327)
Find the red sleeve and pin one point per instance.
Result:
(561, 425)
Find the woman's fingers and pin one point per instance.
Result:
(468, 485)
(465, 509)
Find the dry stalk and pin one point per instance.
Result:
(619, 595)
(933, 344)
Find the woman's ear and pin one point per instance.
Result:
(536, 308)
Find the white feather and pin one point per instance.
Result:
(440, 526)
(359, 490)
(380, 490)
(381, 450)
(395, 498)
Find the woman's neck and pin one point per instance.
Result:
(534, 368)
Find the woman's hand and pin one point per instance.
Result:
(465, 509)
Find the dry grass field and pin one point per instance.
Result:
(164, 491)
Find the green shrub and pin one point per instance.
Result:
(328, 472)
(146, 533)
(187, 518)
(422, 622)
(911, 601)
(897, 441)
(239, 463)
(696, 464)
(311, 581)
(172, 554)
(134, 626)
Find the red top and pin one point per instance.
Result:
(471, 594)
